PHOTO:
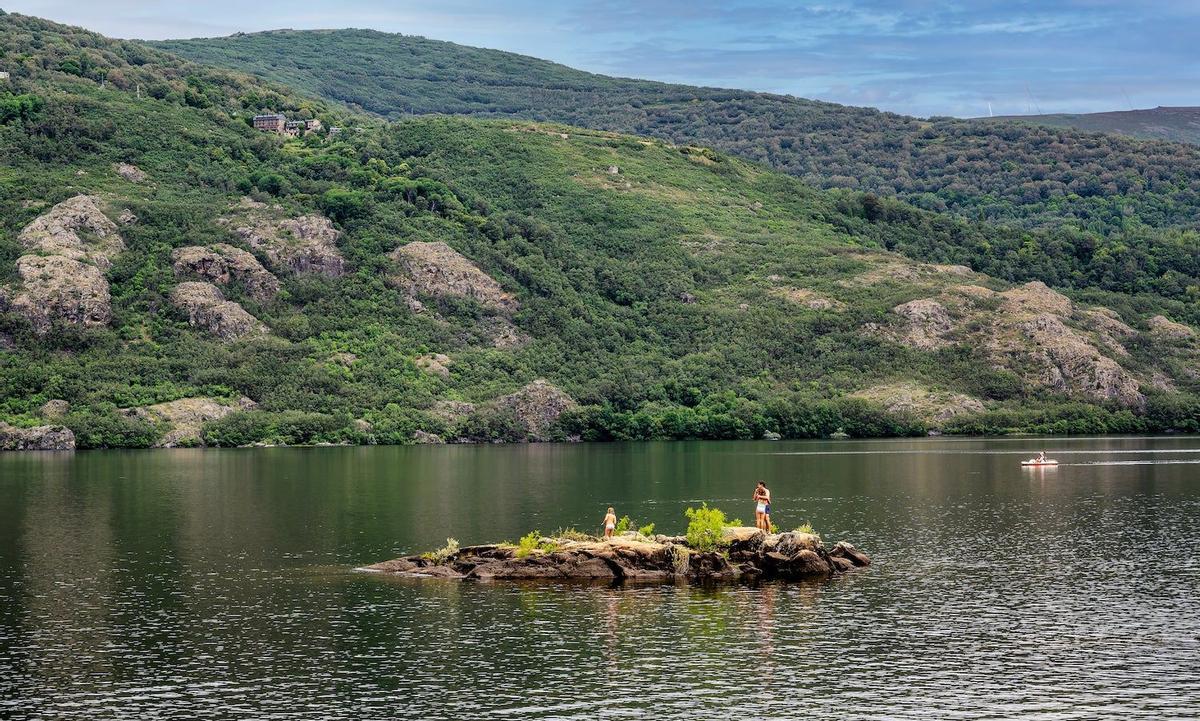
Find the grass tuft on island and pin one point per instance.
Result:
(709, 551)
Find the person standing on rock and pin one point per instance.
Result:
(610, 523)
(762, 508)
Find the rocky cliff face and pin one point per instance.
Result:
(62, 278)
(38, 438)
(223, 264)
(437, 270)
(1031, 330)
(56, 288)
(207, 308)
(186, 417)
(76, 229)
(305, 244)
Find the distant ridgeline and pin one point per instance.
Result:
(172, 275)
(1099, 211)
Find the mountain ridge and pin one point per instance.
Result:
(445, 278)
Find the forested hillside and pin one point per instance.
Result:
(1098, 210)
(1179, 124)
(172, 276)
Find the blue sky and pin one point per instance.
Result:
(911, 56)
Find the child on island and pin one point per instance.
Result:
(610, 523)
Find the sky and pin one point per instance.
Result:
(919, 57)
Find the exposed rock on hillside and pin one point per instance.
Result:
(222, 264)
(54, 287)
(503, 334)
(436, 363)
(207, 308)
(130, 172)
(931, 406)
(751, 555)
(54, 409)
(436, 269)
(808, 299)
(75, 229)
(186, 417)
(537, 406)
(38, 438)
(1167, 329)
(926, 324)
(451, 411)
(1031, 330)
(306, 244)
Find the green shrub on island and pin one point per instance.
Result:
(534, 541)
(706, 528)
(444, 553)
(646, 530)
(623, 524)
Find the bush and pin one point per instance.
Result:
(104, 427)
(646, 530)
(533, 541)
(706, 526)
(443, 554)
(622, 526)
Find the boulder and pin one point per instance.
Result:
(421, 437)
(54, 409)
(435, 269)
(130, 172)
(38, 438)
(842, 549)
(186, 417)
(223, 264)
(58, 288)
(926, 323)
(76, 229)
(207, 308)
(304, 244)
(537, 407)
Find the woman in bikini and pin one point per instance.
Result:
(610, 522)
(762, 500)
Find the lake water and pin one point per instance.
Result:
(219, 584)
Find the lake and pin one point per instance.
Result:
(214, 584)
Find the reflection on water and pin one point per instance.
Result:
(214, 584)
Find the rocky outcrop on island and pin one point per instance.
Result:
(747, 554)
(76, 229)
(185, 418)
(434, 269)
(37, 438)
(207, 308)
(223, 264)
(302, 244)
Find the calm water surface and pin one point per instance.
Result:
(218, 584)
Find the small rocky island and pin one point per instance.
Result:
(741, 553)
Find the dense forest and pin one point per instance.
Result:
(169, 274)
(1178, 124)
